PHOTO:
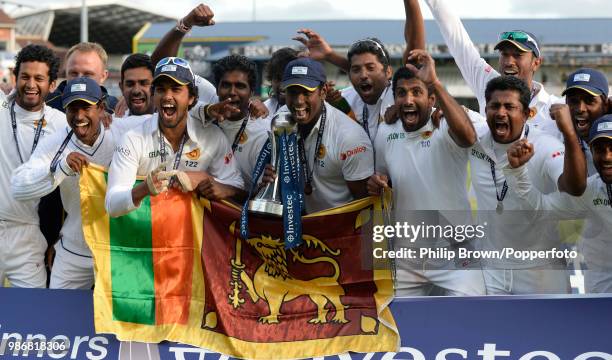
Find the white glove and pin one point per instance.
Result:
(162, 178)
(184, 181)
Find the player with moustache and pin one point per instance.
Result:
(171, 144)
(510, 223)
(335, 153)
(595, 205)
(368, 66)
(426, 167)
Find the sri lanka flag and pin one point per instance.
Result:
(176, 269)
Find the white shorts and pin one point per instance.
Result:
(539, 280)
(412, 281)
(70, 270)
(597, 281)
(22, 254)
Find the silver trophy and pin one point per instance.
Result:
(268, 200)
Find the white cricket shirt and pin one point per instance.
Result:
(138, 153)
(24, 212)
(477, 72)
(376, 112)
(513, 228)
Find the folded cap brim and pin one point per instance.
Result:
(520, 46)
(589, 89)
(180, 82)
(79, 97)
(308, 84)
(600, 136)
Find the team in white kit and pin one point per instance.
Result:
(529, 152)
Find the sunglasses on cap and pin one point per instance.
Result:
(369, 41)
(517, 35)
(173, 60)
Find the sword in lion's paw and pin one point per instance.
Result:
(237, 267)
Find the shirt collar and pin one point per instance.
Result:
(541, 97)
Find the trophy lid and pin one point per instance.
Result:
(283, 122)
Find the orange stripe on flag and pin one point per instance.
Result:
(173, 247)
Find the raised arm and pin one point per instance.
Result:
(556, 205)
(320, 50)
(459, 124)
(573, 180)
(414, 28)
(34, 179)
(473, 67)
(169, 45)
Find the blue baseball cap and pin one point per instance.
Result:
(304, 72)
(175, 68)
(83, 89)
(590, 80)
(601, 128)
(523, 40)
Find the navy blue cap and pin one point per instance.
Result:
(601, 128)
(175, 68)
(590, 80)
(82, 88)
(523, 40)
(304, 72)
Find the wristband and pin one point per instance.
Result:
(181, 27)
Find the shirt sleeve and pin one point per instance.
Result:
(380, 152)
(552, 159)
(34, 179)
(207, 93)
(357, 155)
(475, 70)
(122, 176)
(555, 206)
(223, 166)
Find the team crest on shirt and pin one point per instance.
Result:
(243, 138)
(321, 152)
(532, 112)
(426, 134)
(44, 122)
(193, 154)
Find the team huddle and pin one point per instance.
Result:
(529, 158)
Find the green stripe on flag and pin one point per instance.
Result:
(132, 276)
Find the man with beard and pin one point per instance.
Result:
(335, 153)
(171, 144)
(415, 158)
(507, 110)
(595, 204)
(26, 121)
(58, 161)
(136, 78)
(169, 45)
(369, 69)
(519, 55)
(586, 94)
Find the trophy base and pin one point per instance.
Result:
(266, 207)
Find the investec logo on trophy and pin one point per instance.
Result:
(284, 196)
